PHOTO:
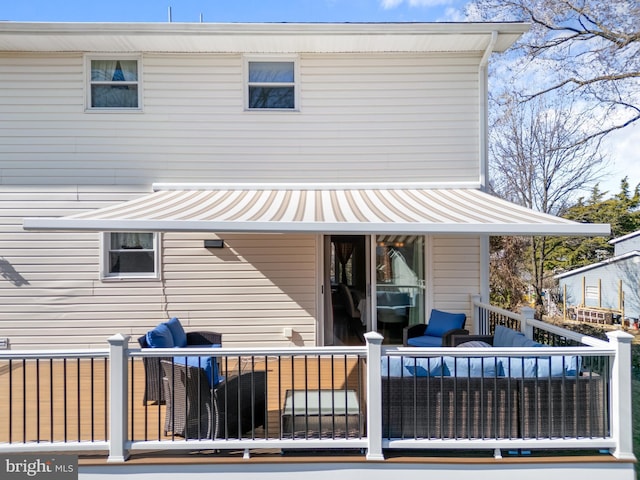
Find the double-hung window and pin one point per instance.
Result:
(114, 83)
(271, 85)
(130, 255)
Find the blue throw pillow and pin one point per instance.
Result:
(208, 364)
(505, 337)
(177, 332)
(160, 337)
(441, 322)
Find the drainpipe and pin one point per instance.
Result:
(484, 110)
(483, 88)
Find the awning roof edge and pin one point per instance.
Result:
(39, 223)
(303, 210)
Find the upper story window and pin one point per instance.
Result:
(271, 85)
(130, 254)
(114, 83)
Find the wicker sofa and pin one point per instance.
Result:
(484, 408)
(492, 397)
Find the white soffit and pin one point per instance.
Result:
(257, 38)
(320, 210)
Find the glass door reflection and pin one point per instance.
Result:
(400, 284)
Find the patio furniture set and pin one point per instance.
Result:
(422, 397)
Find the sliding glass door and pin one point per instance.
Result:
(400, 284)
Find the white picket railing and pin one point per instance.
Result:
(124, 373)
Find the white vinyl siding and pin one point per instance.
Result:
(50, 284)
(364, 118)
(456, 272)
(249, 290)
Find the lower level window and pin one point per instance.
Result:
(131, 254)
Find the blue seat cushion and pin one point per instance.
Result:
(208, 364)
(462, 367)
(425, 341)
(177, 332)
(519, 367)
(160, 337)
(558, 366)
(393, 366)
(441, 322)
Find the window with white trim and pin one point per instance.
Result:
(271, 85)
(114, 83)
(130, 255)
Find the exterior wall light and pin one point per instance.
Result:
(216, 243)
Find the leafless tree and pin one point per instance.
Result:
(588, 50)
(537, 161)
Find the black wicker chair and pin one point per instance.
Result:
(154, 391)
(195, 410)
(419, 330)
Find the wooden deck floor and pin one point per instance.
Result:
(52, 401)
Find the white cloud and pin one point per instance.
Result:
(389, 4)
(452, 14)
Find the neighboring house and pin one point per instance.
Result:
(612, 284)
(282, 140)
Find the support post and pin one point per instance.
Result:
(475, 315)
(621, 425)
(599, 293)
(527, 314)
(374, 396)
(118, 404)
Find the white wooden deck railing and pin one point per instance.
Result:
(37, 395)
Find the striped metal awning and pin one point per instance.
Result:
(319, 210)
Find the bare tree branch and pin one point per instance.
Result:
(586, 49)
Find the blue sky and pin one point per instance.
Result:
(233, 10)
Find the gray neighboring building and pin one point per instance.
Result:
(600, 284)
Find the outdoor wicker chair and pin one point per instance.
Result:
(195, 410)
(154, 391)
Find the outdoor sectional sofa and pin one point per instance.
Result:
(442, 397)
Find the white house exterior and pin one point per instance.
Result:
(379, 114)
(232, 175)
